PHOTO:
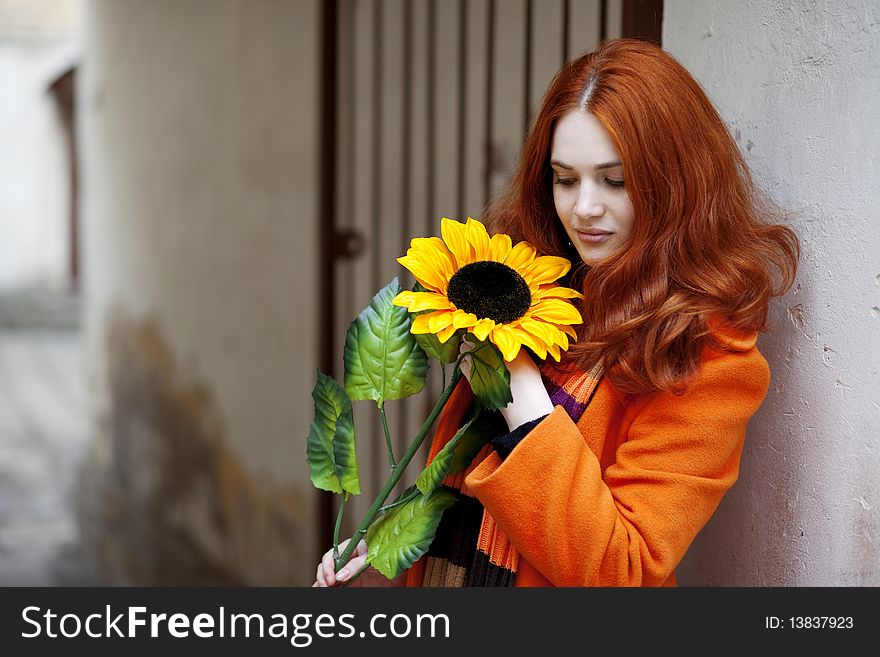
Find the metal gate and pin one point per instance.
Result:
(425, 104)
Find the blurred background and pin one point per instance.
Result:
(197, 197)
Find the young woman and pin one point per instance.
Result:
(617, 456)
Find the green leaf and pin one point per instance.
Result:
(444, 352)
(433, 474)
(487, 425)
(344, 452)
(490, 380)
(382, 358)
(330, 447)
(403, 534)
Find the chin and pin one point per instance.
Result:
(593, 259)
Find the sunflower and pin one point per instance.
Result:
(490, 288)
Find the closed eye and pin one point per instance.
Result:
(564, 182)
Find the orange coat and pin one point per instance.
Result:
(617, 499)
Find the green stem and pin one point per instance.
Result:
(338, 523)
(403, 500)
(387, 435)
(397, 472)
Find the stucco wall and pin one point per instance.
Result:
(199, 127)
(798, 84)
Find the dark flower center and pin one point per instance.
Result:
(490, 289)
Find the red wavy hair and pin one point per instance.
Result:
(703, 244)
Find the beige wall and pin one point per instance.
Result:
(199, 127)
(797, 83)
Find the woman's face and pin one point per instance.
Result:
(588, 187)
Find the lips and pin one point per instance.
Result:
(593, 235)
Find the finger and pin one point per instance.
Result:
(328, 569)
(350, 569)
(342, 547)
(466, 348)
(362, 548)
(319, 577)
(466, 368)
(328, 563)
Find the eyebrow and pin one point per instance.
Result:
(603, 165)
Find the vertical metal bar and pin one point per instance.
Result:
(376, 441)
(527, 69)
(566, 17)
(350, 124)
(327, 226)
(376, 173)
(642, 19)
(462, 107)
(406, 178)
(406, 152)
(490, 100)
(431, 222)
(431, 118)
(348, 72)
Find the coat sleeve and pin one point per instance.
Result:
(632, 526)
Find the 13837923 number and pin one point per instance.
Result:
(820, 622)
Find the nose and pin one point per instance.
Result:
(588, 203)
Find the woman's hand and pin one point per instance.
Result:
(530, 398)
(327, 576)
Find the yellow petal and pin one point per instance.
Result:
(483, 328)
(520, 255)
(556, 291)
(478, 238)
(553, 350)
(544, 269)
(532, 342)
(507, 341)
(422, 323)
(433, 250)
(550, 333)
(499, 247)
(555, 311)
(462, 319)
(439, 320)
(562, 339)
(539, 329)
(419, 301)
(455, 236)
(425, 273)
(446, 333)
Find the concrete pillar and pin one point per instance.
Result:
(199, 137)
(797, 84)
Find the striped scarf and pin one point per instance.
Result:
(469, 549)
